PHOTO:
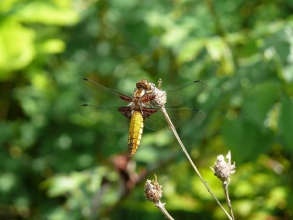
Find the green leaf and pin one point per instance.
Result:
(244, 139)
(52, 46)
(190, 50)
(16, 46)
(259, 101)
(286, 122)
(219, 50)
(174, 36)
(47, 13)
(8, 180)
(5, 5)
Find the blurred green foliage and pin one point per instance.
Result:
(57, 165)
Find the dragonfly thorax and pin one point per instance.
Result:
(139, 93)
(150, 90)
(140, 99)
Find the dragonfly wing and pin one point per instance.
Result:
(155, 121)
(101, 93)
(105, 115)
(185, 116)
(179, 116)
(186, 92)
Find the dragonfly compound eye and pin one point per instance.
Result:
(143, 84)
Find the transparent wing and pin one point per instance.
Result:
(186, 92)
(179, 116)
(101, 94)
(108, 116)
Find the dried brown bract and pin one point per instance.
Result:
(153, 191)
(223, 169)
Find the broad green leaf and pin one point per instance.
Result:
(5, 5)
(51, 46)
(286, 122)
(190, 50)
(16, 46)
(174, 36)
(62, 184)
(244, 139)
(46, 13)
(219, 51)
(259, 101)
(8, 181)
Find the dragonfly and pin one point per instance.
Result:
(119, 110)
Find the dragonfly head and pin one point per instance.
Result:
(143, 84)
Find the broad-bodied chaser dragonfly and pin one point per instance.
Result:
(140, 110)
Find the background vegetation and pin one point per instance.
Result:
(57, 165)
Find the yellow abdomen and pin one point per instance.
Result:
(135, 132)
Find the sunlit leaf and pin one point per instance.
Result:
(190, 50)
(16, 46)
(52, 46)
(48, 13)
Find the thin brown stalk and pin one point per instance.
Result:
(225, 187)
(190, 160)
(161, 207)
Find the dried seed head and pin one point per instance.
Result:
(222, 169)
(152, 190)
(161, 97)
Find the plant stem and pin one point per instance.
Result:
(190, 160)
(225, 187)
(161, 206)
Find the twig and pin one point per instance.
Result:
(225, 187)
(190, 160)
(161, 207)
